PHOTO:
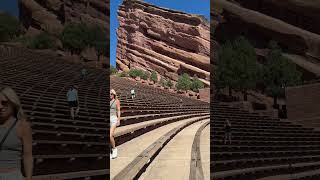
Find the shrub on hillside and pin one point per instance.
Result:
(169, 83)
(196, 84)
(123, 74)
(9, 27)
(135, 73)
(113, 70)
(41, 41)
(145, 75)
(154, 77)
(163, 82)
(184, 82)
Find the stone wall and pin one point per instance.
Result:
(303, 104)
(204, 94)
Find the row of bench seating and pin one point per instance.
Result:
(261, 147)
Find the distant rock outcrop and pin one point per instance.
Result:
(167, 41)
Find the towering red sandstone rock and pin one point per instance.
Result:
(164, 40)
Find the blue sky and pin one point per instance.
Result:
(201, 7)
(10, 6)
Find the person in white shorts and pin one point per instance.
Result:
(133, 93)
(114, 120)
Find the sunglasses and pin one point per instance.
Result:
(4, 103)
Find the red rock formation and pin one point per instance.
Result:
(263, 28)
(164, 40)
(52, 15)
(300, 13)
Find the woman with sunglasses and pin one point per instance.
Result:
(114, 120)
(15, 138)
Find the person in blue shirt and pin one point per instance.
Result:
(73, 101)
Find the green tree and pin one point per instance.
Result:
(9, 27)
(217, 76)
(169, 83)
(98, 40)
(236, 67)
(154, 77)
(245, 67)
(75, 37)
(184, 82)
(278, 72)
(196, 84)
(223, 73)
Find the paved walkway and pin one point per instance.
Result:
(128, 151)
(173, 161)
(205, 151)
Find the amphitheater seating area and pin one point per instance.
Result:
(78, 149)
(152, 108)
(262, 148)
(72, 149)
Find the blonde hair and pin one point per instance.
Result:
(13, 98)
(112, 91)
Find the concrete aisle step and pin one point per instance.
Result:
(205, 151)
(136, 126)
(128, 151)
(173, 161)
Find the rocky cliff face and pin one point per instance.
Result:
(52, 15)
(164, 40)
(300, 13)
(263, 20)
(260, 28)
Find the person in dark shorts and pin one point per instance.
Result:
(227, 131)
(73, 101)
(15, 138)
